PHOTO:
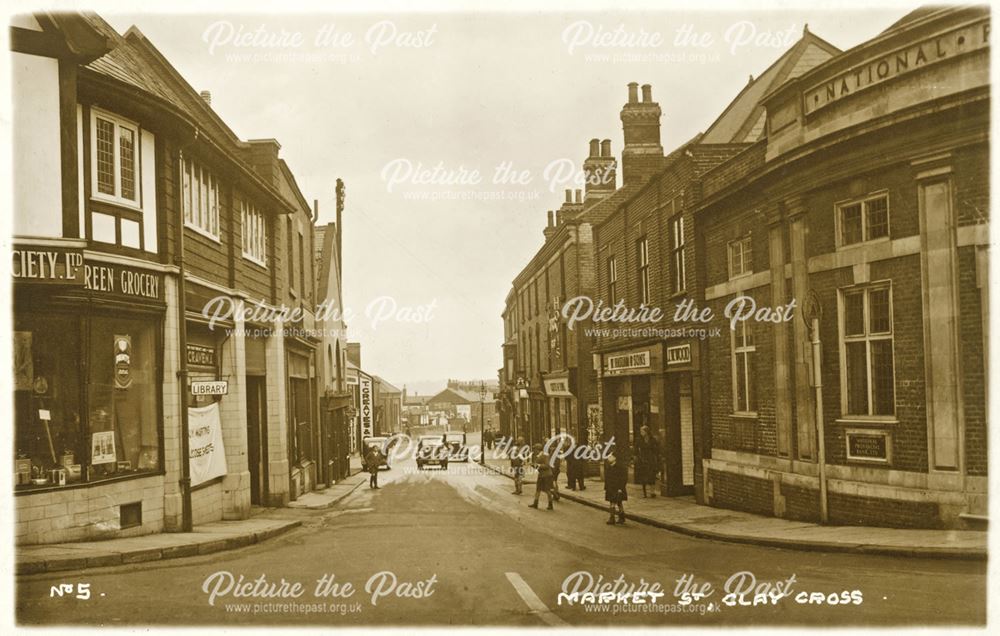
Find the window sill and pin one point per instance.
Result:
(255, 261)
(204, 233)
(87, 484)
(871, 420)
(96, 197)
(743, 415)
(741, 276)
(850, 246)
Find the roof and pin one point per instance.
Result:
(386, 387)
(136, 62)
(453, 396)
(743, 119)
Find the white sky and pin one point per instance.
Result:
(490, 88)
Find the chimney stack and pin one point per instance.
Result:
(579, 197)
(642, 155)
(569, 196)
(207, 96)
(633, 92)
(600, 171)
(550, 227)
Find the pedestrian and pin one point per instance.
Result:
(647, 460)
(615, 491)
(373, 459)
(556, 463)
(543, 464)
(576, 467)
(517, 465)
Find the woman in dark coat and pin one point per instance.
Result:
(615, 481)
(647, 460)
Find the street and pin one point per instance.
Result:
(463, 550)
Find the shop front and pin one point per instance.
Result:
(88, 420)
(562, 405)
(652, 386)
(302, 423)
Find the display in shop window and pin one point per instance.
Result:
(123, 361)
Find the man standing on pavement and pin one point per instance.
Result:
(517, 465)
(615, 485)
(543, 465)
(373, 459)
(575, 468)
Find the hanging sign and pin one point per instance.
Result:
(367, 423)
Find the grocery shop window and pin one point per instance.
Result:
(863, 220)
(58, 444)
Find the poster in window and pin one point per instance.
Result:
(24, 370)
(102, 448)
(123, 362)
(206, 450)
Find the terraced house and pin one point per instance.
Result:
(135, 207)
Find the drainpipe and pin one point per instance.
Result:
(818, 383)
(187, 520)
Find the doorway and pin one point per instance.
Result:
(256, 439)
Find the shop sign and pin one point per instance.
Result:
(210, 387)
(367, 423)
(48, 265)
(868, 446)
(913, 57)
(200, 356)
(626, 362)
(66, 266)
(123, 361)
(680, 354)
(558, 388)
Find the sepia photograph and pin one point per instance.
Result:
(528, 316)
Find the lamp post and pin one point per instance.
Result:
(482, 423)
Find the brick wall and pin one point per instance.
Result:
(739, 492)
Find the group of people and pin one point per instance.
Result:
(549, 467)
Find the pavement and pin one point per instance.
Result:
(454, 547)
(684, 515)
(207, 538)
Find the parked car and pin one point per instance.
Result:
(456, 444)
(432, 451)
(381, 443)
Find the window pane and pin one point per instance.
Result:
(878, 311)
(105, 139)
(102, 228)
(857, 378)
(854, 314)
(878, 217)
(46, 377)
(130, 233)
(850, 224)
(187, 191)
(126, 155)
(883, 391)
(741, 382)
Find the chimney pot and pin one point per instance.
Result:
(579, 196)
(594, 147)
(647, 93)
(569, 196)
(606, 148)
(550, 218)
(207, 96)
(633, 92)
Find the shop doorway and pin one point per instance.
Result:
(678, 454)
(256, 440)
